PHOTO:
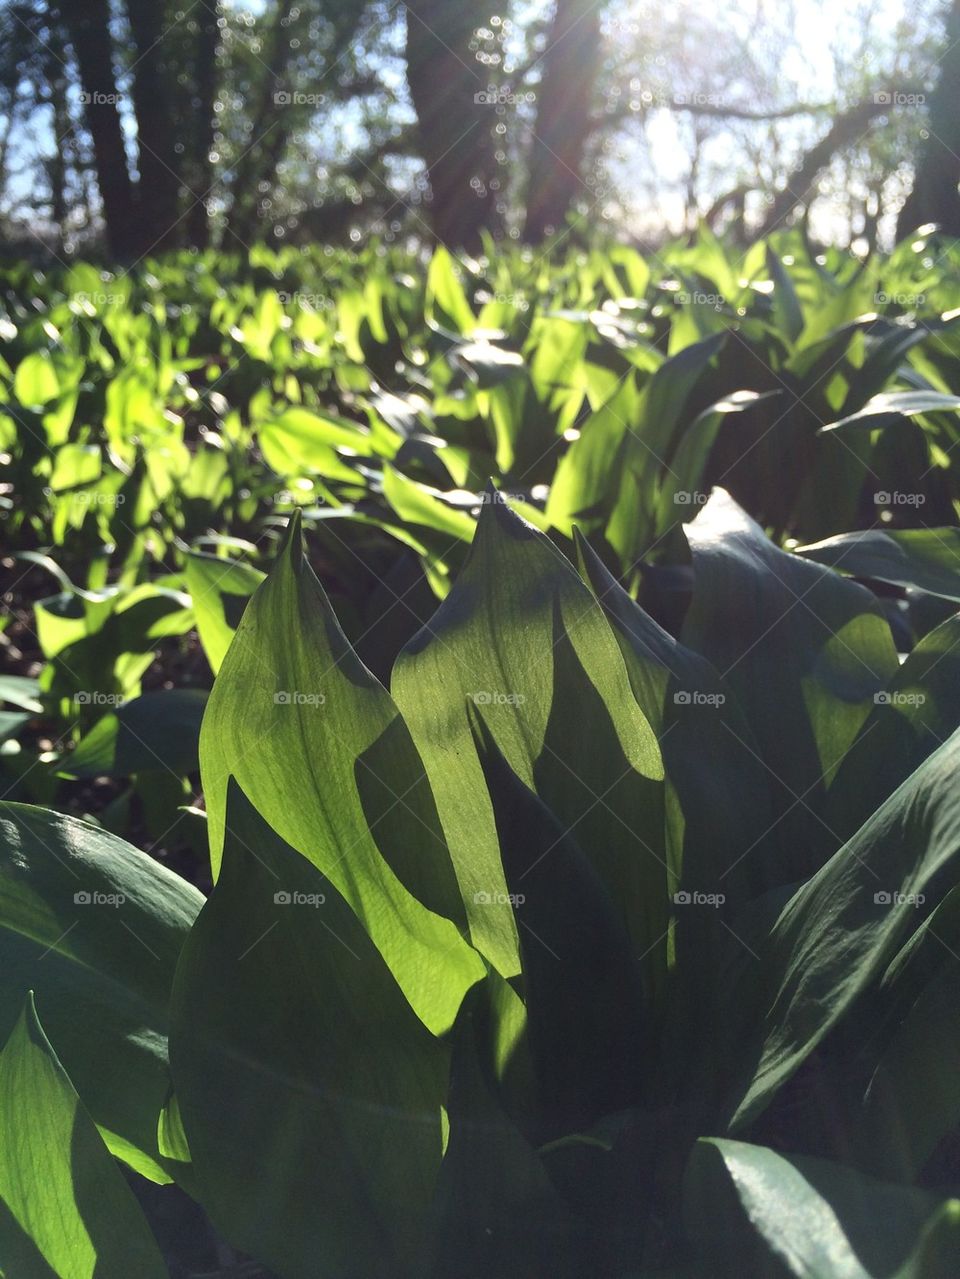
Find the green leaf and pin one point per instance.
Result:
(712, 769)
(837, 934)
(925, 558)
(752, 1211)
(936, 1252)
(520, 635)
(488, 364)
(680, 486)
(804, 651)
(65, 1210)
(787, 313)
(888, 353)
(319, 747)
(585, 482)
(917, 711)
(294, 1052)
(171, 1137)
(590, 1034)
(157, 730)
(650, 443)
(913, 1100)
(497, 1212)
(11, 722)
(35, 381)
(891, 407)
(417, 504)
(299, 441)
(219, 590)
(19, 690)
(446, 303)
(94, 926)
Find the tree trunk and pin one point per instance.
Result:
(454, 119)
(198, 222)
(55, 88)
(269, 119)
(934, 197)
(88, 24)
(564, 100)
(159, 185)
(57, 164)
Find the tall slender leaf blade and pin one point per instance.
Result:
(65, 1210)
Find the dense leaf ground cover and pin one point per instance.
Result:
(585, 843)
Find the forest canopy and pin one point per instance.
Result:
(128, 126)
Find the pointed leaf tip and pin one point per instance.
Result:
(292, 545)
(497, 513)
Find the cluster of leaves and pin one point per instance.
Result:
(583, 950)
(618, 936)
(157, 429)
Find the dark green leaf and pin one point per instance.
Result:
(295, 1054)
(65, 1210)
(752, 1211)
(95, 927)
